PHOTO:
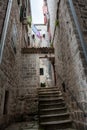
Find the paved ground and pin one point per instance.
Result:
(27, 126)
(24, 126)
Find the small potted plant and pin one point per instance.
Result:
(43, 84)
(57, 22)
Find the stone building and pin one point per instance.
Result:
(69, 38)
(9, 46)
(19, 70)
(14, 72)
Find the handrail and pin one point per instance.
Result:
(83, 44)
(4, 32)
(85, 114)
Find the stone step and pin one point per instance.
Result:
(52, 105)
(54, 117)
(52, 111)
(48, 89)
(69, 129)
(45, 91)
(50, 100)
(48, 128)
(56, 100)
(49, 92)
(56, 125)
(50, 95)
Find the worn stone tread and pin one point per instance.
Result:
(48, 89)
(52, 103)
(51, 99)
(50, 92)
(52, 115)
(56, 122)
(51, 109)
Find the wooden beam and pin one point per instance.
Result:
(41, 50)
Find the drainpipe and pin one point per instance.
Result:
(5, 27)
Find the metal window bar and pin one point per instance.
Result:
(4, 32)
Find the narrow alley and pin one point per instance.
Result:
(43, 65)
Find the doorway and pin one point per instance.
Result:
(5, 110)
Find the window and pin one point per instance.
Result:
(21, 13)
(5, 110)
(18, 1)
(24, 13)
(43, 35)
(41, 71)
(33, 36)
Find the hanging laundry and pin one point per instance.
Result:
(35, 30)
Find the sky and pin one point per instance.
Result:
(37, 12)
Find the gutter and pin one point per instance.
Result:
(5, 27)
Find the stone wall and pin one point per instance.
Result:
(19, 76)
(70, 64)
(19, 73)
(52, 7)
(9, 75)
(81, 11)
(29, 74)
(3, 5)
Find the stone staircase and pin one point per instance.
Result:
(53, 113)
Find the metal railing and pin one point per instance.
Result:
(84, 47)
(74, 98)
(83, 44)
(5, 27)
(78, 105)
